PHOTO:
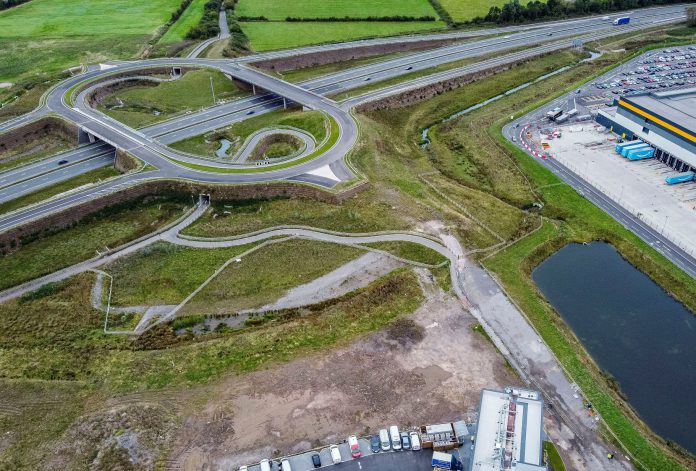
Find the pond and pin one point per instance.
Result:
(632, 328)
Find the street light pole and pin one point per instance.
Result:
(212, 90)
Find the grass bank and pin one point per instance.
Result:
(108, 228)
(140, 106)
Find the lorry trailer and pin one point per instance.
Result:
(642, 154)
(628, 149)
(624, 20)
(680, 178)
(620, 146)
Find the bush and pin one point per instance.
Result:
(208, 26)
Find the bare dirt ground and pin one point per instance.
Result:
(427, 368)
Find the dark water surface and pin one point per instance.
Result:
(633, 330)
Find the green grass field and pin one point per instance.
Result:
(314, 122)
(278, 10)
(187, 20)
(190, 92)
(46, 36)
(265, 36)
(464, 10)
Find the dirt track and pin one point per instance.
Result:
(426, 369)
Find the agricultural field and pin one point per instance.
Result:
(278, 10)
(190, 18)
(464, 10)
(43, 37)
(265, 36)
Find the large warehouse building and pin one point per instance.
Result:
(510, 431)
(665, 120)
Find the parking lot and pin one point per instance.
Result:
(639, 186)
(404, 460)
(659, 70)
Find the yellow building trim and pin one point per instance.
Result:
(657, 120)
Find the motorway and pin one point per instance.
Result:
(150, 144)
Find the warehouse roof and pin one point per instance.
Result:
(678, 106)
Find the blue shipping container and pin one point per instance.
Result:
(620, 146)
(628, 149)
(680, 178)
(442, 460)
(642, 154)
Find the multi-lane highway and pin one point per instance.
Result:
(150, 144)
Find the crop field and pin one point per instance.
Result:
(187, 20)
(464, 10)
(278, 10)
(267, 35)
(46, 36)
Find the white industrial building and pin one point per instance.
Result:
(510, 431)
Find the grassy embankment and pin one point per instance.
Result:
(166, 274)
(330, 140)
(110, 228)
(142, 106)
(35, 150)
(93, 176)
(279, 34)
(410, 251)
(472, 155)
(314, 122)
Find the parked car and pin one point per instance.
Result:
(316, 460)
(395, 437)
(285, 466)
(375, 444)
(385, 440)
(335, 454)
(354, 446)
(405, 441)
(415, 441)
(265, 465)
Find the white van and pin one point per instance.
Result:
(243, 468)
(335, 454)
(265, 465)
(415, 441)
(285, 466)
(395, 437)
(384, 440)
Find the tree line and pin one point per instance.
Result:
(5, 4)
(515, 12)
(208, 26)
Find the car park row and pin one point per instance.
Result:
(387, 440)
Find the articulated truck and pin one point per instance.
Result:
(624, 20)
(680, 178)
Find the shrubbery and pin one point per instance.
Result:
(209, 26)
(5, 4)
(514, 12)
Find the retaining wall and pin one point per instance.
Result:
(13, 239)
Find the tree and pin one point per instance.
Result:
(691, 16)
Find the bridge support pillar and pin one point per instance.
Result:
(253, 89)
(83, 137)
(285, 104)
